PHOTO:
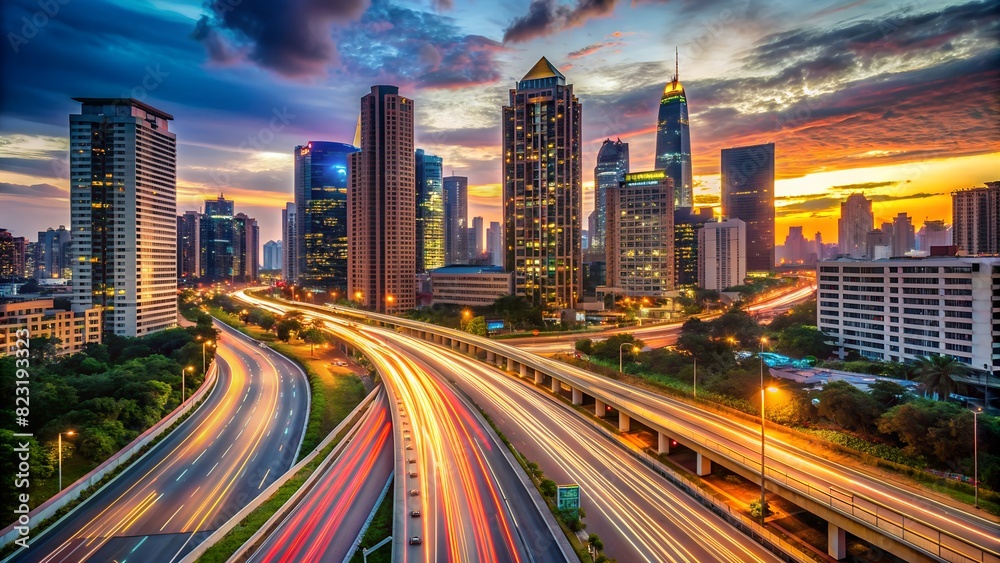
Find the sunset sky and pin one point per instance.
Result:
(898, 99)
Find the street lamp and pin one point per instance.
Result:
(68, 433)
(695, 378)
(357, 296)
(975, 452)
(204, 367)
(183, 377)
(763, 490)
(388, 302)
(621, 351)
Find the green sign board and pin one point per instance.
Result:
(568, 497)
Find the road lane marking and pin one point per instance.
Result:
(212, 469)
(265, 477)
(181, 475)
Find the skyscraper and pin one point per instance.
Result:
(289, 243)
(494, 243)
(856, 220)
(933, 233)
(687, 222)
(673, 140)
(189, 245)
(456, 217)
(748, 195)
(542, 190)
(612, 166)
(52, 254)
(246, 251)
(13, 251)
(722, 260)
(640, 235)
(382, 205)
(321, 178)
(217, 240)
(976, 219)
(796, 246)
(430, 212)
(903, 237)
(123, 201)
(273, 255)
(477, 244)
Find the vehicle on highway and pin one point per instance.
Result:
(415, 540)
(414, 492)
(415, 513)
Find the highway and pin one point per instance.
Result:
(657, 335)
(639, 515)
(245, 435)
(451, 471)
(324, 525)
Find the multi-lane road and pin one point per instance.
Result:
(241, 439)
(324, 525)
(459, 497)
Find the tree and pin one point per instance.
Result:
(584, 345)
(286, 327)
(938, 374)
(610, 348)
(476, 326)
(800, 341)
(312, 336)
(548, 488)
(935, 430)
(888, 393)
(847, 406)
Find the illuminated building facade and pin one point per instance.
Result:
(748, 195)
(430, 211)
(640, 235)
(673, 141)
(189, 245)
(456, 219)
(123, 202)
(542, 190)
(217, 240)
(687, 222)
(321, 184)
(612, 166)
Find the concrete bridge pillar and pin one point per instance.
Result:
(491, 357)
(577, 396)
(599, 408)
(663, 443)
(524, 370)
(703, 465)
(510, 364)
(556, 386)
(624, 422)
(539, 377)
(836, 541)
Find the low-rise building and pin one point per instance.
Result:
(41, 318)
(473, 286)
(898, 309)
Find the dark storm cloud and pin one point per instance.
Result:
(814, 203)
(864, 186)
(34, 191)
(548, 16)
(292, 38)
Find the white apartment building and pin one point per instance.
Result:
(722, 254)
(472, 286)
(123, 201)
(899, 309)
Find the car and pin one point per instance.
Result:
(415, 513)
(414, 493)
(414, 540)
(413, 473)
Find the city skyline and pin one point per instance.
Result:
(620, 62)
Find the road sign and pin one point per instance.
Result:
(568, 497)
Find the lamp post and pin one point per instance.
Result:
(204, 365)
(68, 433)
(621, 350)
(466, 315)
(183, 378)
(763, 489)
(695, 378)
(975, 453)
(388, 302)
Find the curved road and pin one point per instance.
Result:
(242, 438)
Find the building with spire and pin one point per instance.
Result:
(543, 188)
(673, 140)
(612, 166)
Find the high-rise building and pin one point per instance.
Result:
(13, 253)
(722, 256)
(748, 195)
(673, 140)
(494, 243)
(933, 233)
(430, 212)
(856, 220)
(382, 205)
(246, 251)
(273, 255)
(52, 254)
(321, 178)
(123, 201)
(975, 216)
(542, 190)
(640, 235)
(477, 242)
(456, 218)
(289, 244)
(612, 166)
(878, 244)
(687, 222)
(189, 245)
(796, 246)
(903, 238)
(218, 244)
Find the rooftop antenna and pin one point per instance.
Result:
(677, 66)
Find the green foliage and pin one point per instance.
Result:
(803, 314)
(875, 449)
(888, 393)
(262, 318)
(585, 345)
(756, 507)
(847, 406)
(477, 326)
(287, 327)
(800, 341)
(548, 488)
(935, 430)
(517, 312)
(40, 464)
(610, 348)
(938, 373)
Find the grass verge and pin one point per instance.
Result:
(379, 529)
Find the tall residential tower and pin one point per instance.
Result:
(542, 190)
(856, 220)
